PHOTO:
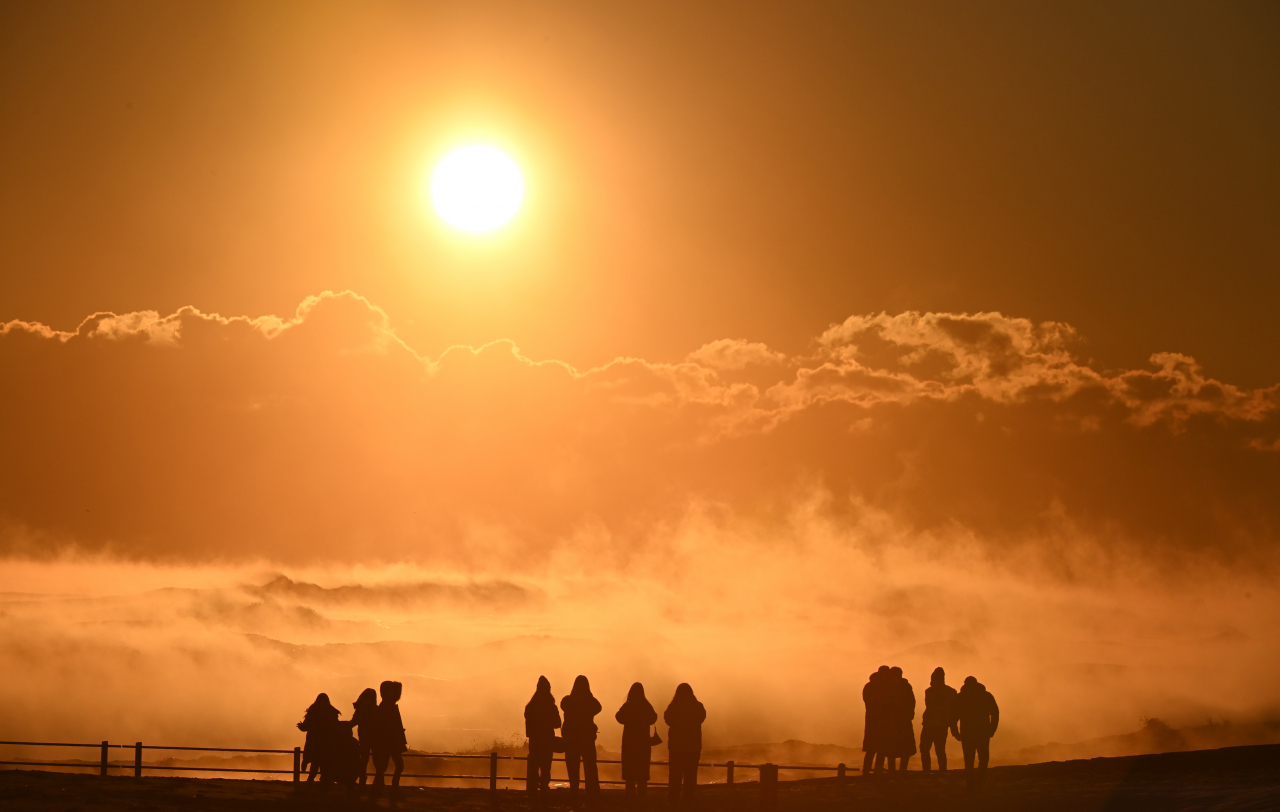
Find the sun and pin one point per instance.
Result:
(477, 188)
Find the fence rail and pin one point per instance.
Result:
(768, 772)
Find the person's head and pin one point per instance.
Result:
(684, 693)
(390, 691)
(884, 669)
(636, 692)
(939, 677)
(581, 687)
(895, 672)
(322, 701)
(970, 682)
(368, 697)
(544, 686)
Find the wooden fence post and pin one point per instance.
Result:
(297, 764)
(768, 785)
(493, 771)
(137, 760)
(729, 772)
(840, 771)
(102, 768)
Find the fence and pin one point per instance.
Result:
(768, 773)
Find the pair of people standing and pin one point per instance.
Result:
(891, 707)
(971, 715)
(684, 718)
(340, 751)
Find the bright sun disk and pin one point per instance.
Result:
(477, 188)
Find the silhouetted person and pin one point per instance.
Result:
(684, 718)
(364, 724)
(635, 716)
(320, 723)
(873, 731)
(541, 719)
(977, 717)
(900, 710)
(389, 741)
(579, 733)
(939, 715)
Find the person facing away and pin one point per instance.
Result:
(320, 723)
(579, 733)
(977, 717)
(363, 723)
(389, 741)
(873, 730)
(900, 710)
(635, 716)
(684, 718)
(541, 718)
(938, 717)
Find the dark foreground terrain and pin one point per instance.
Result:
(1244, 778)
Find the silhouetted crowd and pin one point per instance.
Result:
(577, 740)
(339, 752)
(970, 714)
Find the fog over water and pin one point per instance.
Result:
(208, 520)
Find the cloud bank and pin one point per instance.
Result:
(322, 436)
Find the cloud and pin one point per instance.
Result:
(323, 436)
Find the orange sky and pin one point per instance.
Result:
(878, 327)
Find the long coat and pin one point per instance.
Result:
(873, 730)
(684, 720)
(635, 716)
(900, 705)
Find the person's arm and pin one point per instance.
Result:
(556, 713)
(618, 716)
(596, 708)
(702, 713)
(995, 715)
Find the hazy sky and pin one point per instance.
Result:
(697, 171)
(827, 334)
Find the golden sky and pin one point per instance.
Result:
(878, 326)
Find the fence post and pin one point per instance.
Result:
(297, 764)
(768, 785)
(102, 768)
(840, 771)
(729, 772)
(493, 771)
(137, 760)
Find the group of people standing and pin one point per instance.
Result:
(970, 714)
(339, 751)
(577, 740)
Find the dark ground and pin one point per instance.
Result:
(1235, 778)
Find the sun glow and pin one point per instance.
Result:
(477, 188)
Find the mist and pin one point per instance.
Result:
(775, 628)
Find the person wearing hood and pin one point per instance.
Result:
(389, 742)
(320, 723)
(579, 732)
(635, 716)
(541, 720)
(363, 723)
(938, 717)
(684, 718)
(977, 717)
(873, 730)
(900, 711)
